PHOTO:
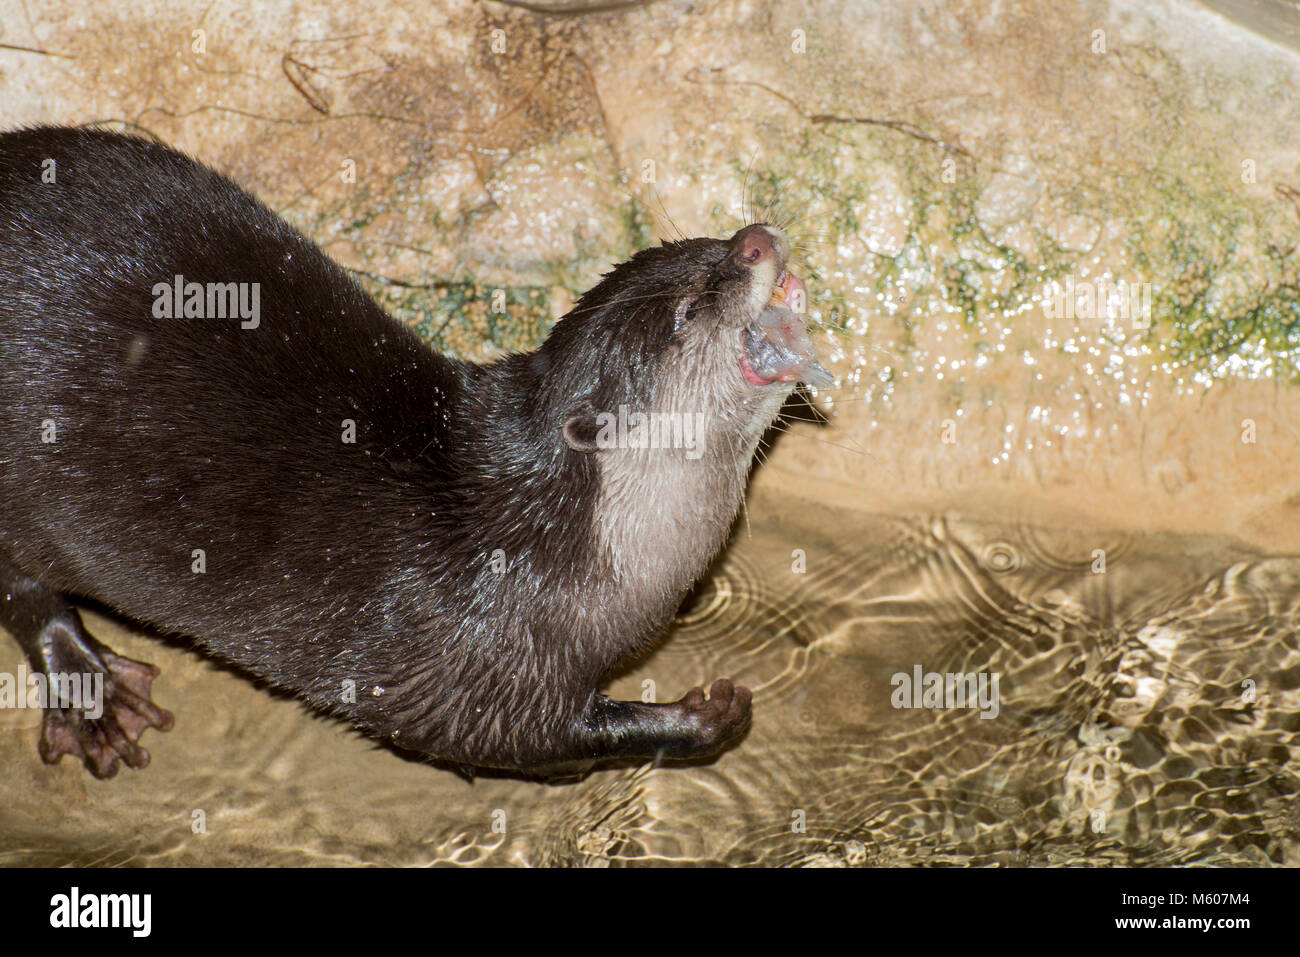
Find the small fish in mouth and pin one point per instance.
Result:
(777, 347)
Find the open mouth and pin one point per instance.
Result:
(776, 345)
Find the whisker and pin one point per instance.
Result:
(746, 208)
(783, 425)
(744, 510)
(789, 221)
(664, 209)
(670, 294)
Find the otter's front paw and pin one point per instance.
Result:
(705, 724)
(112, 737)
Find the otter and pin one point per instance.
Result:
(451, 556)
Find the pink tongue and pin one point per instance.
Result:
(777, 349)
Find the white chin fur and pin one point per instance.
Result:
(764, 277)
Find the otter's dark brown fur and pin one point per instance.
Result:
(460, 578)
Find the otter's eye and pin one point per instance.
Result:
(684, 314)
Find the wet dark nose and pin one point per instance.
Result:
(754, 244)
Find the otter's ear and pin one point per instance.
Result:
(580, 430)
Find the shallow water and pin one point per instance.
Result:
(1124, 733)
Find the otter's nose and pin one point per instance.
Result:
(758, 243)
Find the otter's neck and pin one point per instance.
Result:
(662, 514)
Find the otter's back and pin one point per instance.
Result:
(134, 435)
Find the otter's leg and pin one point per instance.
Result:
(693, 727)
(49, 630)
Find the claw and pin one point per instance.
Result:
(106, 742)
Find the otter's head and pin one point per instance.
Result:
(667, 374)
(699, 327)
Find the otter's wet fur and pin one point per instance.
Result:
(472, 566)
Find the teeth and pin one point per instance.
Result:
(778, 296)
